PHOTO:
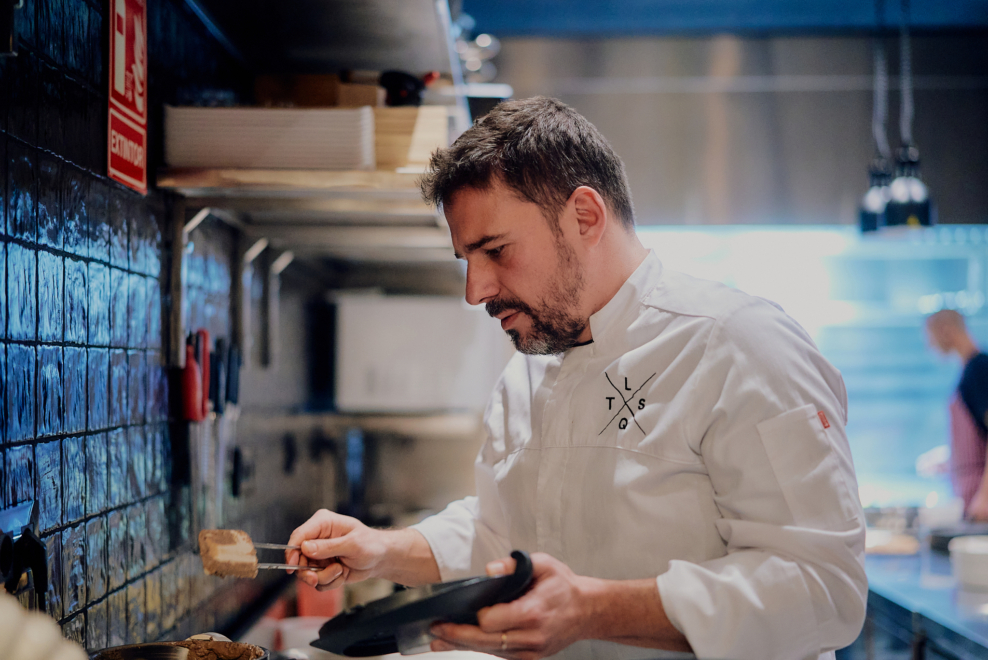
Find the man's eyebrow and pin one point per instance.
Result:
(476, 245)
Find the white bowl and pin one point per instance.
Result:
(969, 558)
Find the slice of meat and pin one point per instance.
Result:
(227, 552)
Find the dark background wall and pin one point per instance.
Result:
(85, 427)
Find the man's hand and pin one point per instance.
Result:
(561, 608)
(978, 509)
(346, 550)
(544, 621)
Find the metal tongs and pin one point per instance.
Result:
(289, 567)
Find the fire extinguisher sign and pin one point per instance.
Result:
(128, 108)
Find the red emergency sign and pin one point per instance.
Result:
(128, 111)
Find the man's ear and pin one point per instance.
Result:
(591, 213)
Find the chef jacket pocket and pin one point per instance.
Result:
(807, 468)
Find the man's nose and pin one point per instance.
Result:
(481, 283)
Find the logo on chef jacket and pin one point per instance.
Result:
(625, 403)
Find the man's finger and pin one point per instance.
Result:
(504, 566)
(329, 574)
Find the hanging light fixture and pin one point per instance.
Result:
(875, 201)
(909, 199)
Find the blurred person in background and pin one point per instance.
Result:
(28, 635)
(948, 333)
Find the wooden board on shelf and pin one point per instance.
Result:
(196, 182)
(406, 137)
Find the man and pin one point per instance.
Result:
(671, 450)
(968, 411)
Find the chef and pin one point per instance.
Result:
(671, 450)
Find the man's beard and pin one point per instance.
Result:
(554, 328)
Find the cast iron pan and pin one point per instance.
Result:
(375, 628)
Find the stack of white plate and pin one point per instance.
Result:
(969, 557)
(270, 138)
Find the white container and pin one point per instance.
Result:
(271, 138)
(415, 354)
(969, 558)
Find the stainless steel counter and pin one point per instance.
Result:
(917, 600)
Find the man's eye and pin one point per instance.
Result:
(494, 253)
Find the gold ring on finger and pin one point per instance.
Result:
(504, 641)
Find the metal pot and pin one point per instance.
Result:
(172, 651)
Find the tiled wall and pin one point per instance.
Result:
(84, 425)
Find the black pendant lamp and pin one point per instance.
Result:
(875, 201)
(909, 199)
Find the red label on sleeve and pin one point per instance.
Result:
(823, 419)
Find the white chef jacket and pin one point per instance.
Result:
(699, 439)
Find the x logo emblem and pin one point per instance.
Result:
(625, 403)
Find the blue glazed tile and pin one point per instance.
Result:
(51, 28)
(22, 192)
(78, 52)
(153, 410)
(75, 196)
(75, 629)
(22, 100)
(51, 228)
(138, 239)
(98, 227)
(51, 292)
(20, 393)
(118, 307)
(96, 135)
(156, 217)
(73, 569)
(3, 412)
(157, 542)
(76, 302)
(96, 474)
(22, 291)
(74, 378)
(53, 553)
(75, 123)
(154, 459)
(117, 625)
(136, 466)
(97, 389)
(49, 458)
(169, 595)
(52, 108)
(118, 455)
(20, 475)
(3, 287)
(99, 304)
(152, 605)
(95, 70)
(50, 390)
(136, 622)
(119, 210)
(116, 549)
(138, 334)
(163, 458)
(137, 383)
(136, 541)
(96, 578)
(73, 479)
(154, 338)
(96, 627)
(118, 388)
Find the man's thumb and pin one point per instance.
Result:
(322, 548)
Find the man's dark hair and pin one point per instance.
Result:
(539, 147)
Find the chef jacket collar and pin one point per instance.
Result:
(609, 323)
